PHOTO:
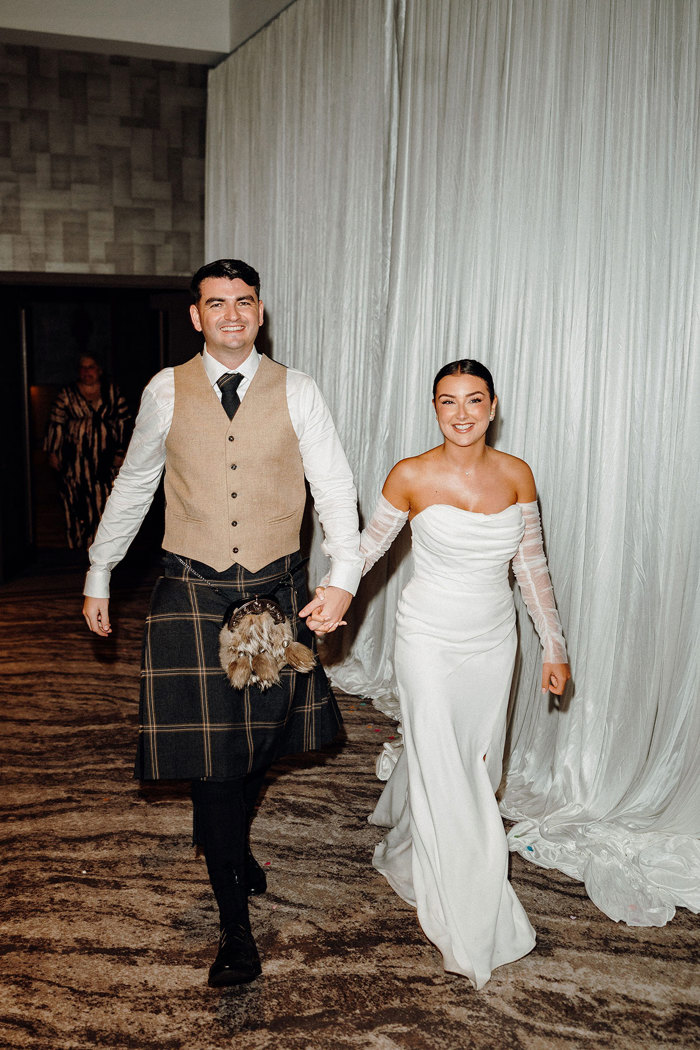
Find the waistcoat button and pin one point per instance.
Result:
(233, 466)
(234, 523)
(230, 437)
(233, 495)
(235, 550)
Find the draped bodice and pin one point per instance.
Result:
(467, 549)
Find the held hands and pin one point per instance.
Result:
(555, 677)
(96, 613)
(325, 612)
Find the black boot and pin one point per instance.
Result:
(237, 961)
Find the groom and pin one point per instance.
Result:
(237, 435)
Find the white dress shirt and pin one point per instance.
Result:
(325, 466)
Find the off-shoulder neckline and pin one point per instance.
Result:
(474, 513)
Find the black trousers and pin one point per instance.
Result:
(222, 811)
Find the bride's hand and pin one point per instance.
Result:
(555, 677)
(325, 612)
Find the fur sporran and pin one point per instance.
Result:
(255, 643)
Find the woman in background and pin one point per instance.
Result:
(86, 439)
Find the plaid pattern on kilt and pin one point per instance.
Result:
(193, 723)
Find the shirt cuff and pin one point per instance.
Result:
(345, 575)
(97, 583)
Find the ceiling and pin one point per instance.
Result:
(200, 31)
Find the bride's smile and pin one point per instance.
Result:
(464, 408)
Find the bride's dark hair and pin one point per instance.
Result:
(466, 367)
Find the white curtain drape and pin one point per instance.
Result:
(516, 181)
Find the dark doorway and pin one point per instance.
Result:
(133, 328)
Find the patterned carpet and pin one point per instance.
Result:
(109, 927)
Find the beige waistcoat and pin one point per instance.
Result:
(234, 489)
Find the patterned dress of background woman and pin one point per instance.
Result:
(86, 438)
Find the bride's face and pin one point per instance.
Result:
(463, 408)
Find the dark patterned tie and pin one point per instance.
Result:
(228, 384)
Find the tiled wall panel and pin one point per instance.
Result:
(101, 163)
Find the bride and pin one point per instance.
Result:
(472, 510)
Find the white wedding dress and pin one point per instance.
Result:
(446, 852)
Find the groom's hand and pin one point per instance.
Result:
(325, 612)
(96, 614)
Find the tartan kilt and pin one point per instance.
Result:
(193, 723)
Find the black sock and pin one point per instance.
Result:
(251, 791)
(221, 830)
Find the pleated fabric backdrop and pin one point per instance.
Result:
(516, 181)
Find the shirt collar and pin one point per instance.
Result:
(215, 369)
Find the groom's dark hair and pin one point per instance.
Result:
(231, 268)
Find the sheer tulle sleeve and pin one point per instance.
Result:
(532, 574)
(377, 536)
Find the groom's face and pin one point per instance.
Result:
(228, 314)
